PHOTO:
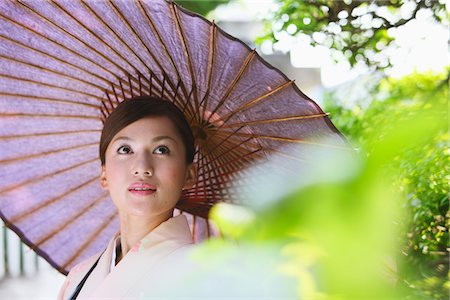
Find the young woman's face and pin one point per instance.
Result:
(145, 168)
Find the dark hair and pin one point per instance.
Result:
(136, 108)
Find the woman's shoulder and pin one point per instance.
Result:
(83, 267)
(76, 274)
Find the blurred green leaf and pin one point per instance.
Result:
(342, 237)
(200, 6)
(420, 173)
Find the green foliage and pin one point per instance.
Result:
(422, 174)
(358, 29)
(340, 233)
(337, 234)
(201, 7)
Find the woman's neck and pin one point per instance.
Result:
(134, 228)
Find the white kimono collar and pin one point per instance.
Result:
(175, 229)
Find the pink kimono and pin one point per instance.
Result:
(146, 271)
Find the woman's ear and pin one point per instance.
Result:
(103, 181)
(191, 176)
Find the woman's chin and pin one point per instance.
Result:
(149, 207)
(144, 210)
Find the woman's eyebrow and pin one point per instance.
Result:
(125, 138)
(155, 139)
(163, 137)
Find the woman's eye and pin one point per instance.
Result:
(124, 150)
(161, 150)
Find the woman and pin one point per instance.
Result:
(146, 152)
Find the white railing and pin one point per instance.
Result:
(17, 259)
(24, 274)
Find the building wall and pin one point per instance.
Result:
(23, 274)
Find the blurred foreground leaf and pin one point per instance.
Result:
(421, 174)
(337, 235)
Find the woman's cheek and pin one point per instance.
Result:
(176, 175)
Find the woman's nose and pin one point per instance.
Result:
(143, 167)
(143, 172)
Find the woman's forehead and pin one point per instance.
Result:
(154, 128)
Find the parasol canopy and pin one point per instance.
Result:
(65, 65)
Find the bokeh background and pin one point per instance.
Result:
(372, 224)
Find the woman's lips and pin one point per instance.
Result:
(141, 189)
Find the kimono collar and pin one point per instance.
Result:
(174, 230)
(114, 281)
